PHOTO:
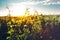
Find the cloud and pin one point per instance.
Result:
(54, 0)
(43, 2)
(47, 2)
(36, 2)
(27, 3)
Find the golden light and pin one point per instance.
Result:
(18, 10)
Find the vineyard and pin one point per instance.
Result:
(36, 27)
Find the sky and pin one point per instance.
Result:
(18, 7)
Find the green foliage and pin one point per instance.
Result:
(29, 27)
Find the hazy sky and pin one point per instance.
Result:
(42, 6)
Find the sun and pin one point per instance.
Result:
(17, 10)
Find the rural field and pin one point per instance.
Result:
(36, 27)
(29, 19)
